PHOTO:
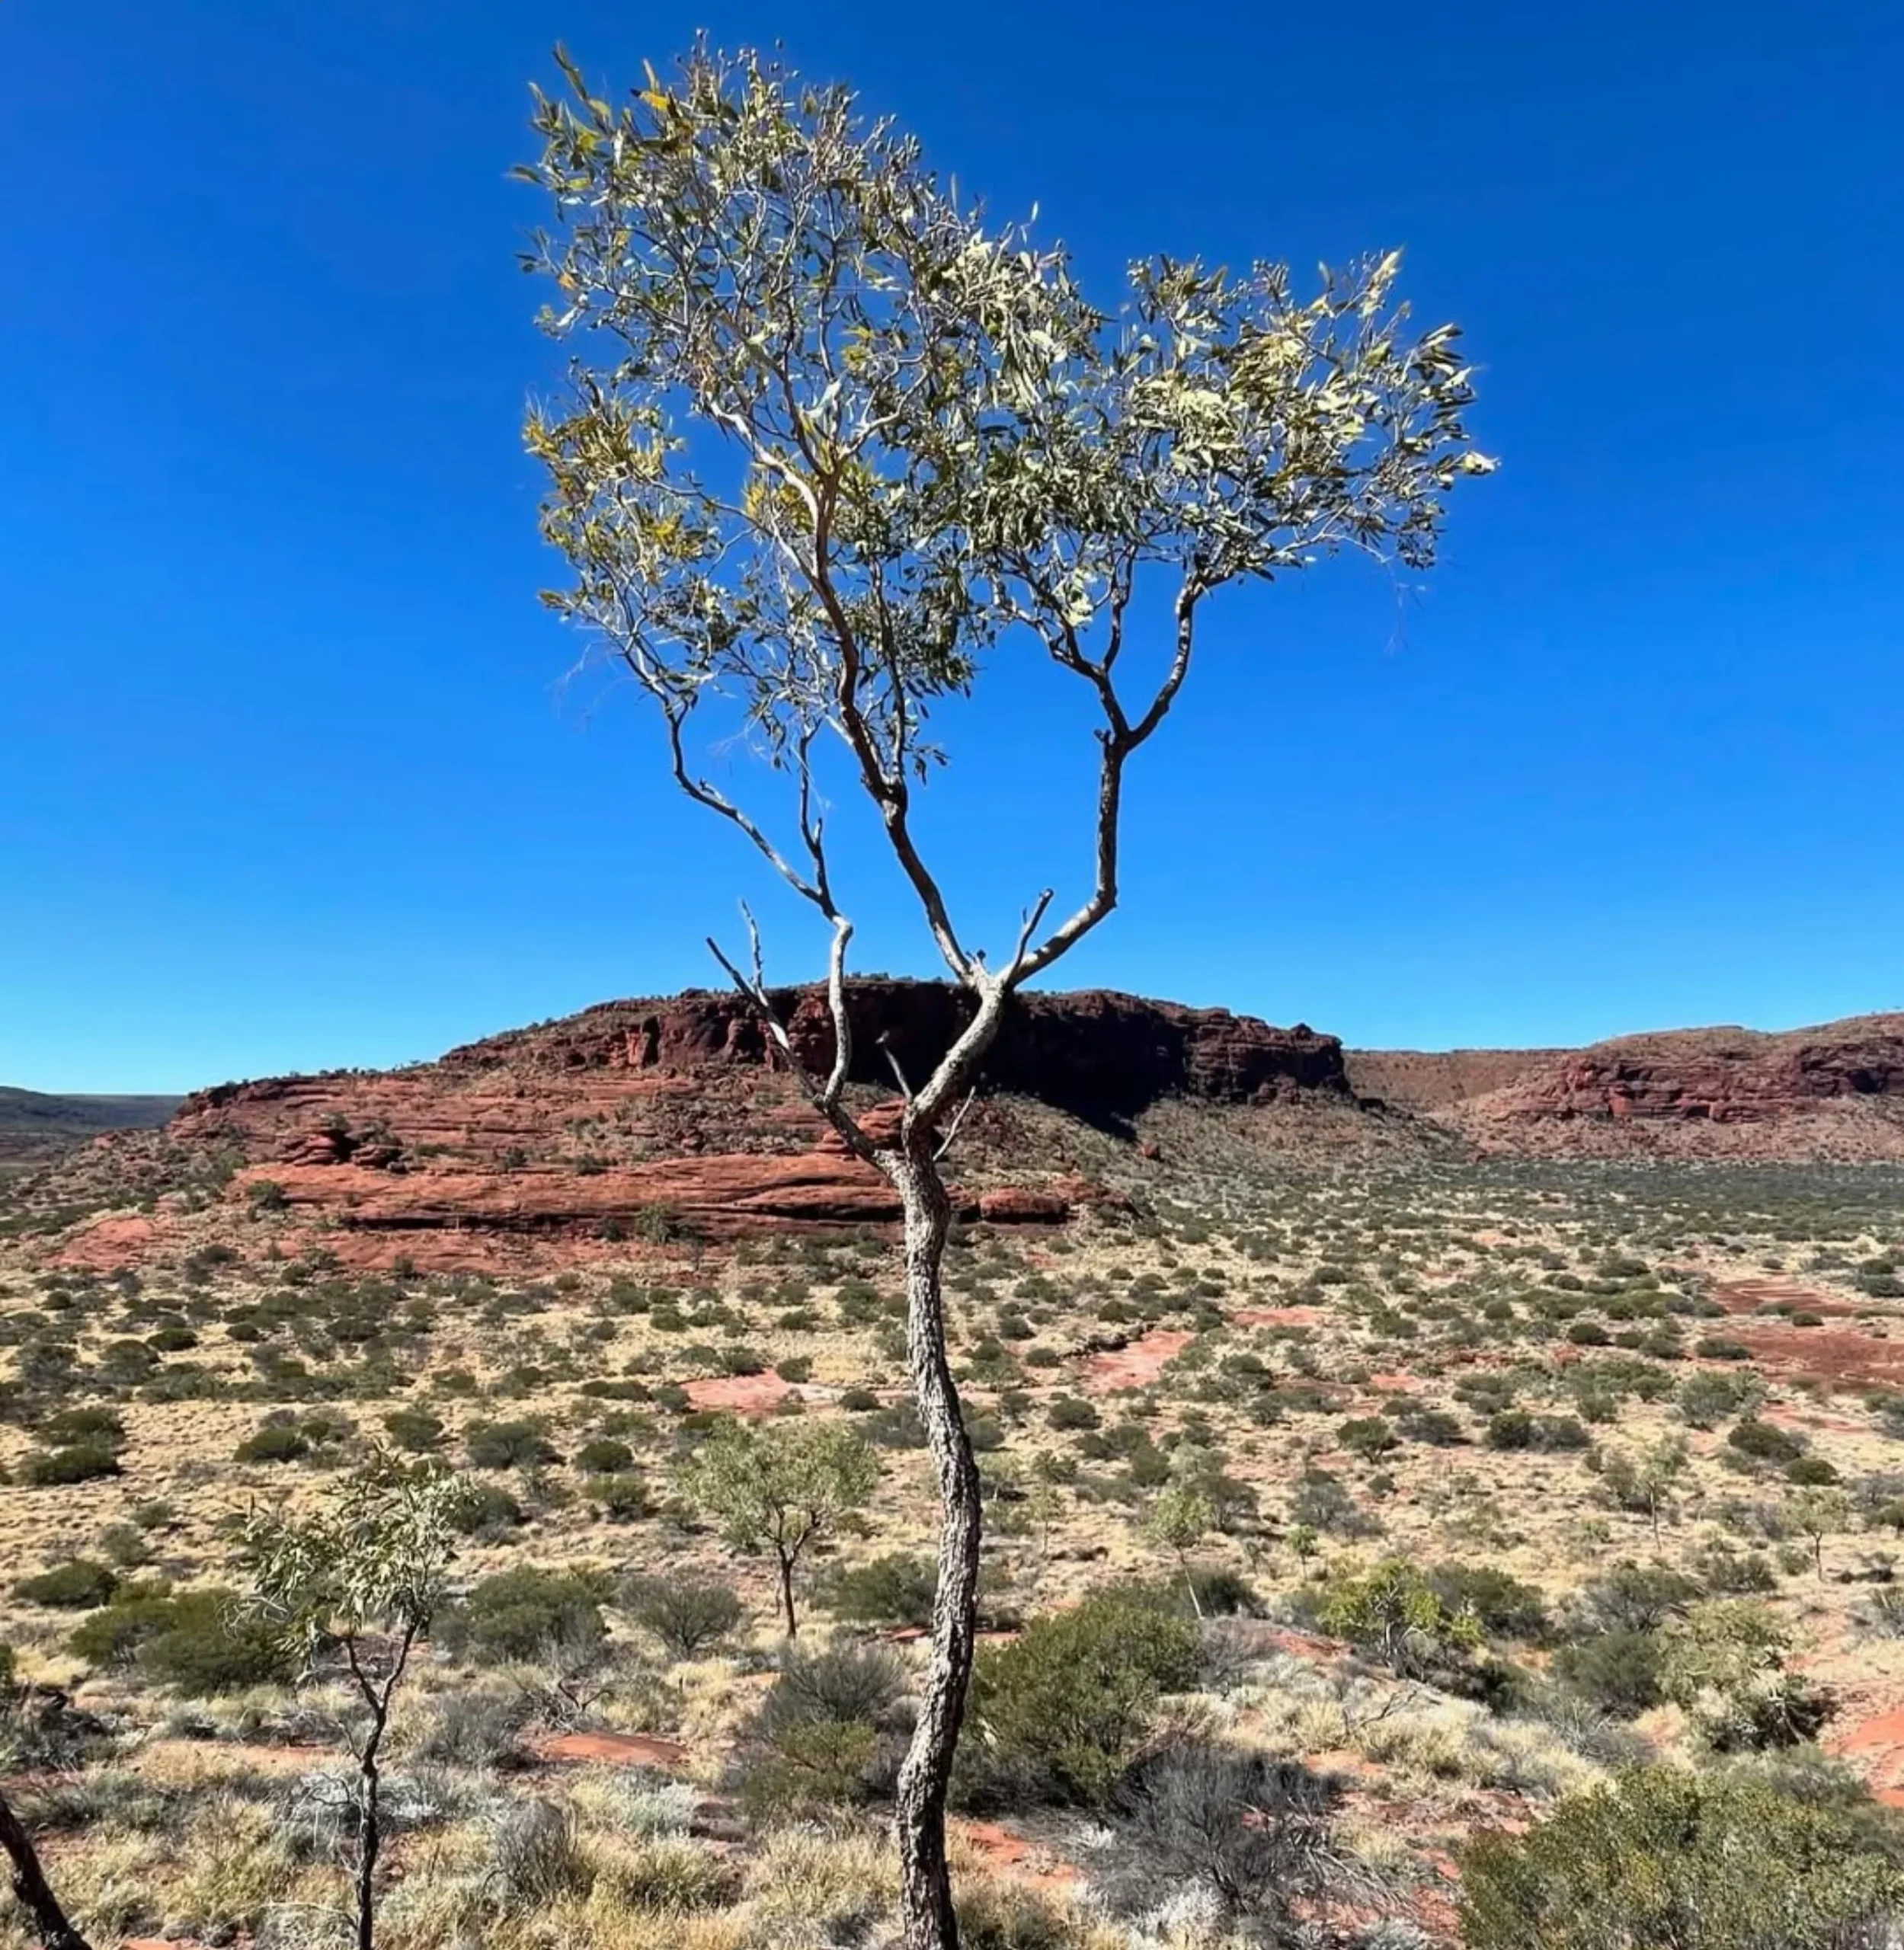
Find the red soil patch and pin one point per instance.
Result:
(1877, 1746)
(740, 1394)
(1804, 1418)
(1279, 1317)
(1139, 1363)
(1303, 1644)
(1396, 1384)
(1024, 1861)
(1842, 1357)
(624, 1750)
(1739, 1297)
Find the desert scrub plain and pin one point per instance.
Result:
(1385, 1548)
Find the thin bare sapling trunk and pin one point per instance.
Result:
(377, 1701)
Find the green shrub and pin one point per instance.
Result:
(1616, 1671)
(621, 1497)
(1725, 1663)
(1434, 1426)
(1502, 1605)
(1764, 1443)
(1512, 1428)
(1321, 1501)
(1707, 1398)
(77, 1586)
(416, 1430)
(686, 1614)
(77, 1462)
(1631, 1597)
(486, 1511)
(894, 1590)
(514, 1445)
(827, 1733)
(139, 1610)
(1661, 1857)
(603, 1456)
(1394, 1613)
(1367, 1436)
(1064, 1707)
(197, 1643)
(276, 1442)
(1719, 1347)
(526, 1614)
(1068, 1413)
(83, 1424)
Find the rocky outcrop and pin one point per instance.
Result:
(1095, 1052)
(1835, 1093)
(636, 1117)
(1715, 1076)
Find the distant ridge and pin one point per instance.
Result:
(34, 1124)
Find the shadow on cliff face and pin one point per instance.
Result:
(1103, 1056)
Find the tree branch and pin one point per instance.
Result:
(1117, 741)
(824, 1097)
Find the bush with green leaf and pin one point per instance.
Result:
(1063, 1709)
(1726, 1663)
(527, 1614)
(1393, 1612)
(522, 1444)
(688, 1615)
(77, 1463)
(1500, 1603)
(830, 1731)
(78, 1585)
(1661, 1857)
(896, 1589)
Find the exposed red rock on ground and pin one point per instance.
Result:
(1290, 1316)
(1009, 1853)
(1137, 1364)
(1877, 1747)
(1739, 1297)
(1844, 1357)
(106, 1243)
(740, 1394)
(643, 1121)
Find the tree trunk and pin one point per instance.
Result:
(370, 1836)
(786, 1597)
(926, 1917)
(29, 1885)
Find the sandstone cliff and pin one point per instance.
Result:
(675, 1111)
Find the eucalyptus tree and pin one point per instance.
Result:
(832, 445)
(363, 1577)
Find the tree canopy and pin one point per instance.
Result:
(833, 439)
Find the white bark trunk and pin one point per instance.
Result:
(927, 1919)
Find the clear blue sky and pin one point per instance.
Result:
(287, 778)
